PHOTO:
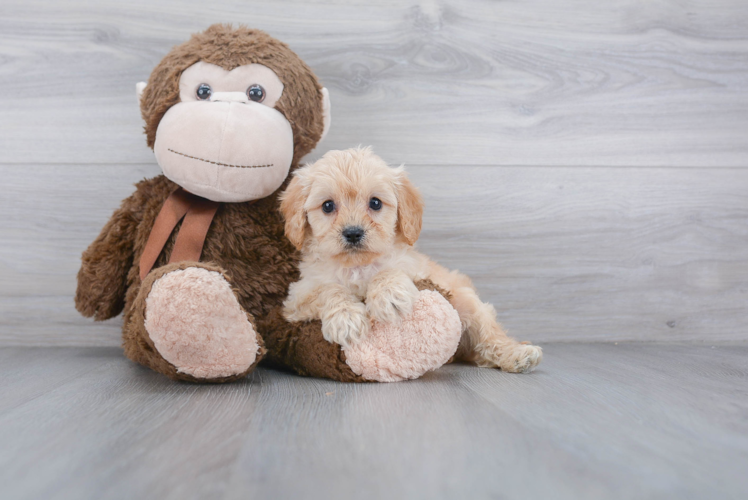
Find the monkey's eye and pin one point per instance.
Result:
(203, 91)
(375, 204)
(256, 93)
(328, 206)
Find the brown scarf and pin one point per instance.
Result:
(198, 214)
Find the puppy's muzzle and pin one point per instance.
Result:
(353, 235)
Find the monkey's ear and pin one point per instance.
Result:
(139, 88)
(409, 209)
(292, 208)
(325, 112)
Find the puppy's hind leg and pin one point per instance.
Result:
(485, 341)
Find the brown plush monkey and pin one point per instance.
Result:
(197, 258)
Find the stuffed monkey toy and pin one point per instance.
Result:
(197, 257)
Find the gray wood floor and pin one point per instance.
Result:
(596, 421)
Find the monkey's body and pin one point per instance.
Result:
(245, 242)
(214, 320)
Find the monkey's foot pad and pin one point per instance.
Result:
(423, 341)
(197, 325)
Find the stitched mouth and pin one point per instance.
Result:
(220, 164)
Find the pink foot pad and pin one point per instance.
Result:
(424, 341)
(196, 324)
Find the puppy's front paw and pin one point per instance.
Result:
(347, 325)
(389, 304)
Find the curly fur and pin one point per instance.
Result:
(346, 284)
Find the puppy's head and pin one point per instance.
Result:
(350, 206)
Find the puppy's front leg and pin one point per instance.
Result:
(343, 315)
(390, 296)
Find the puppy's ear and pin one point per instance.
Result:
(292, 208)
(409, 209)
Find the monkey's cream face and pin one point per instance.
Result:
(224, 140)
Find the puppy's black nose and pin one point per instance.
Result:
(353, 235)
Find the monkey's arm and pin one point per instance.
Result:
(102, 279)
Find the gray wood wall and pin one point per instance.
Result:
(585, 162)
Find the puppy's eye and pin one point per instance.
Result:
(203, 91)
(328, 206)
(375, 204)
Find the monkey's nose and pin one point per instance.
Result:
(353, 235)
(229, 97)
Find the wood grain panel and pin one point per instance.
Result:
(85, 423)
(563, 253)
(536, 82)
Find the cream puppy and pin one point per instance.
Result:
(355, 219)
